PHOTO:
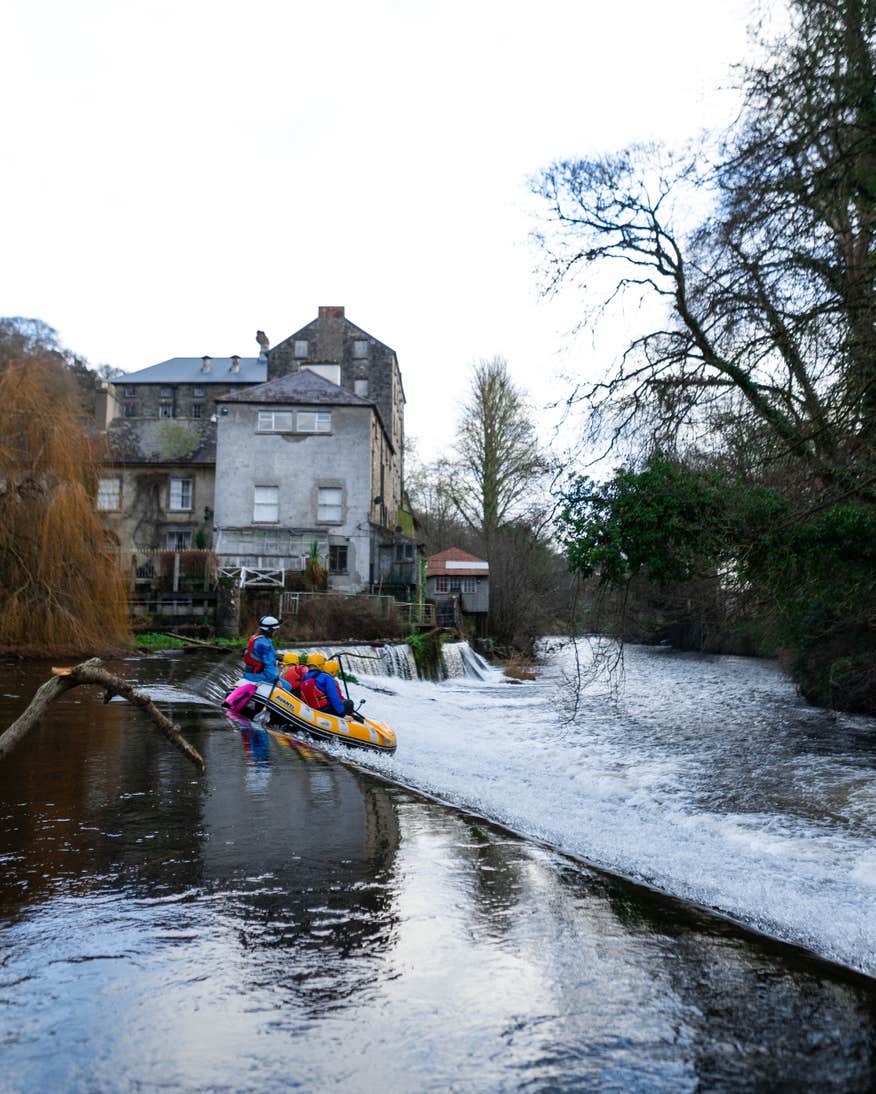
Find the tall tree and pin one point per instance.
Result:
(60, 586)
(761, 256)
(498, 458)
(770, 293)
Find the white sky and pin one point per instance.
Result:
(177, 174)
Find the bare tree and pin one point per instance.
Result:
(764, 260)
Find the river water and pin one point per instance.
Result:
(440, 919)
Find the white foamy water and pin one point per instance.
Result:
(705, 777)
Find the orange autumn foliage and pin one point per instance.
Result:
(61, 590)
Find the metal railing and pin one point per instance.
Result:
(247, 576)
(417, 615)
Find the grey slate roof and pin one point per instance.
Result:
(162, 440)
(304, 387)
(188, 370)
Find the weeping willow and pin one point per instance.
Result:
(61, 590)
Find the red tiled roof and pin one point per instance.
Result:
(437, 564)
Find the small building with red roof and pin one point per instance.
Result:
(458, 584)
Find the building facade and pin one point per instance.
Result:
(269, 460)
(458, 584)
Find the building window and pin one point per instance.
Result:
(468, 585)
(285, 421)
(337, 558)
(300, 347)
(329, 505)
(165, 411)
(181, 494)
(360, 388)
(130, 410)
(129, 392)
(266, 505)
(166, 392)
(360, 348)
(177, 541)
(314, 421)
(441, 584)
(109, 495)
(274, 421)
(198, 393)
(197, 410)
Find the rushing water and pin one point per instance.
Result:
(292, 919)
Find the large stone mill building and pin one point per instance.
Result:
(268, 460)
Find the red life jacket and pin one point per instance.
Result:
(295, 674)
(313, 695)
(249, 658)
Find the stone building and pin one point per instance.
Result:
(205, 449)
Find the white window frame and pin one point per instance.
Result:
(180, 491)
(288, 421)
(109, 494)
(275, 421)
(330, 504)
(441, 583)
(165, 410)
(172, 539)
(313, 421)
(265, 502)
(468, 584)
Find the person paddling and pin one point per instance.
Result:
(259, 658)
(320, 690)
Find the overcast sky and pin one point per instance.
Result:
(180, 173)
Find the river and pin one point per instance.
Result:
(519, 898)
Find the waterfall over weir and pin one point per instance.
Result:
(459, 660)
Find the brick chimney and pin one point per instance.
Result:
(331, 312)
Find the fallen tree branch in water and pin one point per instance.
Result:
(92, 672)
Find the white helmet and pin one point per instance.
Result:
(269, 623)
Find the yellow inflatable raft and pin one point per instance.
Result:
(349, 730)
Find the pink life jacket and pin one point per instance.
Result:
(237, 699)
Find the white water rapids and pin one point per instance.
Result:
(704, 777)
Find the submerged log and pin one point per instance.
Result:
(92, 672)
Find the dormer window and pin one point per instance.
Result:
(206, 363)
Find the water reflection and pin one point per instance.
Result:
(289, 919)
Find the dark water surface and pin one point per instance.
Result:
(291, 920)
